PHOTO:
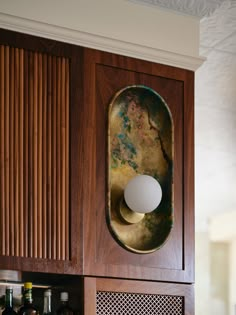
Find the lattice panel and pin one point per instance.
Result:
(111, 303)
(34, 154)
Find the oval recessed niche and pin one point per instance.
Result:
(140, 142)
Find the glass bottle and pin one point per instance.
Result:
(8, 310)
(28, 308)
(64, 308)
(47, 302)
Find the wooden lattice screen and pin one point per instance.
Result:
(110, 303)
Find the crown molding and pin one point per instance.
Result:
(89, 40)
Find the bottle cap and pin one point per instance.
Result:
(28, 285)
(48, 292)
(64, 296)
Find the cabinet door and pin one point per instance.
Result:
(104, 75)
(40, 82)
(113, 296)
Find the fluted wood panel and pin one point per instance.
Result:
(34, 154)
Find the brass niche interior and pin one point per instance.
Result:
(140, 142)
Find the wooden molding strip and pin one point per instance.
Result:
(99, 42)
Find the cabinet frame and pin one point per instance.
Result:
(94, 218)
(92, 285)
(75, 56)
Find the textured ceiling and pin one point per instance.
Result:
(198, 8)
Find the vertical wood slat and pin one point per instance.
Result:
(31, 174)
(16, 151)
(21, 152)
(58, 150)
(63, 160)
(35, 157)
(54, 154)
(49, 159)
(44, 158)
(26, 152)
(67, 232)
(40, 135)
(11, 142)
(2, 146)
(34, 154)
(7, 150)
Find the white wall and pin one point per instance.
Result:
(222, 229)
(92, 23)
(219, 273)
(202, 274)
(215, 284)
(222, 226)
(232, 278)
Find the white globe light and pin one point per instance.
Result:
(143, 194)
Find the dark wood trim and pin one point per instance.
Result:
(188, 183)
(36, 43)
(89, 296)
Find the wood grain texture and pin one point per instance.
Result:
(89, 300)
(30, 159)
(7, 146)
(26, 151)
(2, 145)
(36, 209)
(11, 153)
(45, 240)
(41, 96)
(16, 152)
(93, 285)
(48, 160)
(105, 74)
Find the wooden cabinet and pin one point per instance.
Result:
(40, 132)
(115, 296)
(104, 296)
(104, 75)
(53, 177)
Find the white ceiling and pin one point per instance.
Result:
(215, 108)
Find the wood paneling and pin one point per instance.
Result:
(105, 75)
(33, 124)
(41, 96)
(53, 122)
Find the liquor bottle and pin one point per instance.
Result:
(8, 310)
(64, 308)
(28, 308)
(47, 302)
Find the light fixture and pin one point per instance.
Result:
(142, 195)
(140, 159)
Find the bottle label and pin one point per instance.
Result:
(28, 295)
